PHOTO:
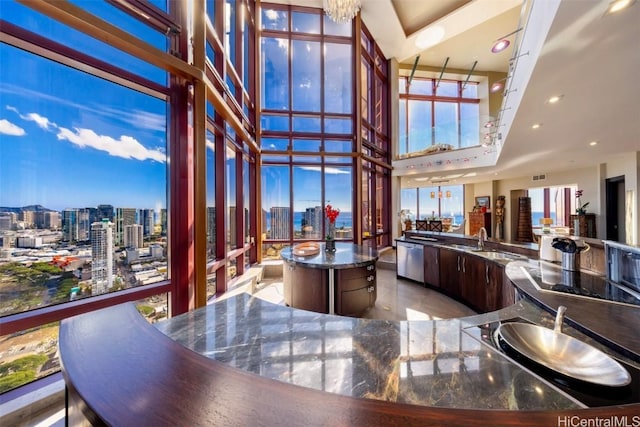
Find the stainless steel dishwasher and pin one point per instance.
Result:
(410, 261)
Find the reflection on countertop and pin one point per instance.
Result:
(441, 363)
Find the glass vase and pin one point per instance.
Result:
(330, 241)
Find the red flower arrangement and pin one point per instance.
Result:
(331, 213)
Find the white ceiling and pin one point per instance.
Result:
(590, 58)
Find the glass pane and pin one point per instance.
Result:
(469, 125)
(429, 203)
(307, 159)
(230, 193)
(338, 184)
(278, 159)
(470, 90)
(338, 125)
(446, 123)
(308, 213)
(537, 205)
(337, 78)
(447, 89)
(408, 204)
(452, 203)
(211, 197)
(275, 73)
(367, 220)
(230, 30)
(210, 7)
(419, 125)
(335, 29)
(274, 122)
(402, 85)
(274, 19)
(305, 22)
(337, 146)
(275, 144)
(89, 134)
(275, 202)
(365, 90)
(421, 86)
(305, 71)
(306, 145)
(306, 124)
(46, 27)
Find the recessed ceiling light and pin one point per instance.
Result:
(536, 126)
(554, 99)
(618, 5)
(429, 37)
(496, 87)
(500, 45)
(592, 143)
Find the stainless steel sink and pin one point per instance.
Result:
(564, 354)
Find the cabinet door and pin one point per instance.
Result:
(474, 281)
(431, 266)
(494, 286)
(305, 288)
(450, 272)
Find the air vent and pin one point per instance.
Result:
(540, 177)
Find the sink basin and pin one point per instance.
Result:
(495, 255)
(564, 354)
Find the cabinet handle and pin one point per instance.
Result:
(486, 272)
(436, 258)
(458, 262)
(464, 264)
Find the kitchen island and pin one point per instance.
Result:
(245, 361)
(340, 282)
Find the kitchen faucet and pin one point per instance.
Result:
(482, 237)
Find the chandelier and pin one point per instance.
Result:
(341, 11)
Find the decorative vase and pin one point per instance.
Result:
(330, 241)
(576, 226)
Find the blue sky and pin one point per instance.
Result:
(68, 139)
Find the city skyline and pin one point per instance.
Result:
(69, 139)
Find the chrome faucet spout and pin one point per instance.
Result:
(557, 325)
(482, 237)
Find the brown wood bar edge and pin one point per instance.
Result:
(121, 371)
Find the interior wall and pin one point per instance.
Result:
(629, 167)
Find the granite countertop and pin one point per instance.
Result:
(439, 363)
(347, 255)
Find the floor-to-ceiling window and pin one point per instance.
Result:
(436, 113)
(306, 125)
(117, 156)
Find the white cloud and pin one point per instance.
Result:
(137, 118)
(126, 147)
(41, 121)
(211, 145)
(8, 128)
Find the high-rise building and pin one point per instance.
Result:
(102, 257)
(280, 217)
(163, 221)
(312, 223)
(122, 218)
(147, 221)
(28, 218)
(105, 211)
(7, 220)
(75, 225)
(133, 236)
(211, 230)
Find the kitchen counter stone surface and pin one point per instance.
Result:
(347, 255)
(438, 363)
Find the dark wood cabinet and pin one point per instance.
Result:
(474, 281)
(494, 276)
(431, 266)
(477, 220)
(305, 288)
(584, 225)
(356, 290)
(450, 272)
